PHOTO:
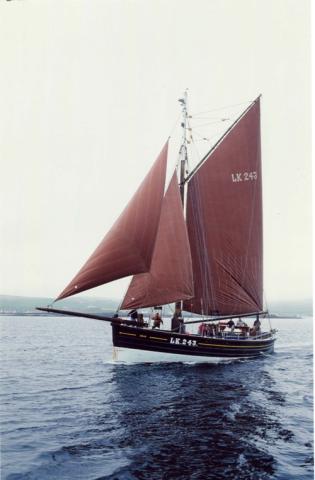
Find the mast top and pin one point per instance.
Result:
(183, 103)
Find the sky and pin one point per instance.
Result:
(88, 97)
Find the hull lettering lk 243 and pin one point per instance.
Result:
(183, 341)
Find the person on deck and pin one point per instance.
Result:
(209, 330)
(140, 321)
(175, 322)
(257, 326)
(242, 326)
(231, 325)
(202, 329)
(182, 327)
(240, 323)
(133, 314)
(157, 320)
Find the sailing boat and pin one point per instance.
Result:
(198, 244)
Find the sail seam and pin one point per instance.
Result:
(236, 281)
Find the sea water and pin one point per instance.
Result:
(71, 411)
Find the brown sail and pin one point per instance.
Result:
(170, 277)
(128, 247)
(224, 220)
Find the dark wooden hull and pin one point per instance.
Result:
(184, 344)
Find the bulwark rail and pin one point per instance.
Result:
(227, 317)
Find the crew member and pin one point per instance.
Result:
(240, 323)
(175, 322)
(133, 314)
(257, 325)
(182, 326)
(140, 321)
(231, 325)
(157, 320)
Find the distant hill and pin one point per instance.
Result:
(10, 304)
(298, 307)
(22, 305)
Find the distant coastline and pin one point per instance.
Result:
(11, 305)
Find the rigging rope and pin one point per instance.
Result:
(214, 122)
(222, 108)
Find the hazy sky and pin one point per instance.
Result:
(88, 96)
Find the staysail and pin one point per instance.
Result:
(128, 247)
(224, 221)
(170, 277)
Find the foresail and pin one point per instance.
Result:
(128, 247)
(170, 277)
(224, 221)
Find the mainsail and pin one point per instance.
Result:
(224, 221)
(170, 277)
(128, 247)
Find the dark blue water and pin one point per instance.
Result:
(69, 412)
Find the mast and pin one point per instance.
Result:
(183, 147)
(183, 161)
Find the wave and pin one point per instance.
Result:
(55, 390)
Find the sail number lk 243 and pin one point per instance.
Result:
(245, 176)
